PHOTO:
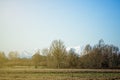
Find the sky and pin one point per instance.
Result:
(34, 24)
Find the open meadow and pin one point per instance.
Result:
(59, 39)
(58, 74)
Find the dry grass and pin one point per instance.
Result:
(59, 74)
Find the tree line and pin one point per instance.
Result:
(99, 56)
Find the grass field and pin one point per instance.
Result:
(59, 74)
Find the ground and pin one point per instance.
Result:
(58, 74)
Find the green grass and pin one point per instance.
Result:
(59, 74)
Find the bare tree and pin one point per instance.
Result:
(58, 53)
(36, 58)
(3, 58)
(13, 55)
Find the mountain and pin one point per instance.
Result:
(76, 49)
(26, 54)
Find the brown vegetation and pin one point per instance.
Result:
(59, 74)
(99, 56)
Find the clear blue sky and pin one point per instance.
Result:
(33, 24)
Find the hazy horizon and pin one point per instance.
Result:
(31, 25)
